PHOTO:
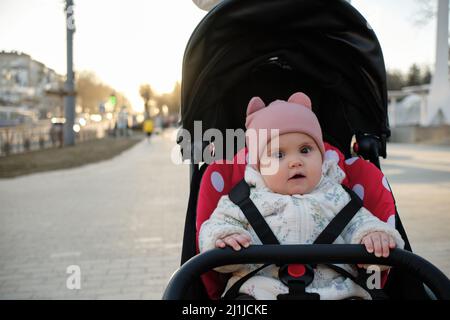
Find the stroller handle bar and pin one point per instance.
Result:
(317, 253)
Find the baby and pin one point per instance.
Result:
(298, 193)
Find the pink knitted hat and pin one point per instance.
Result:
(294, 115)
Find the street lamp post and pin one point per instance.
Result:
(69, 86)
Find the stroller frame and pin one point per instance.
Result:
(327, 49)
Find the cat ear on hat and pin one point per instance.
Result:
(300, 98)
(254, 105)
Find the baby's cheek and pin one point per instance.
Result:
(274, 182)
(317, 179)
(316, 175)
(270, 181)
(270, 167)
(279, 178)
(311, 183)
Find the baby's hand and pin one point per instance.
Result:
(235, 240)
(378, 243)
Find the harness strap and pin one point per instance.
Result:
(240, 195)
(341, 220)
(234, 290)
(360, 280)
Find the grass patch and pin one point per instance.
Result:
(64, 158)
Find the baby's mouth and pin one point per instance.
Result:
(297, 176)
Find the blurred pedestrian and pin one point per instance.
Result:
(148, 127)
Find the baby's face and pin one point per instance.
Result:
(299, 164)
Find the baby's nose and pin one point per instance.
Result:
(295, 163)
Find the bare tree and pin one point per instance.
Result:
(427, 10)
(395, 80)
(171, 99)
(414, 77)
(91, 92)
(176, 98)
(146, 92)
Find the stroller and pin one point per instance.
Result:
(272, 49)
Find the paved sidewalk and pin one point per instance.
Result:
(419, 176)
(120, 221)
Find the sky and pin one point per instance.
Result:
(130, 42)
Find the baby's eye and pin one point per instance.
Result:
(305, 149)
(278, 155)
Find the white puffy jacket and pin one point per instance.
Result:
(296, 219)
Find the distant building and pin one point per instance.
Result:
(29, 84)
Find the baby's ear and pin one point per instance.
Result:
(254, 105)
(300, 98)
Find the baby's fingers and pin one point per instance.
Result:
(378, 247)
(385, 244)
(231, 241)
(367, 241)
(392, 243)
(243, 240)
(220, 243)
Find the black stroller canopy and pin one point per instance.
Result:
(273, 48)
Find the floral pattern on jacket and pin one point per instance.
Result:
(294, 219)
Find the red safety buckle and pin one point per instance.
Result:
(296, 270)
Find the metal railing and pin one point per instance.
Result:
(44, 134)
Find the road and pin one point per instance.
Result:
(121, 221)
